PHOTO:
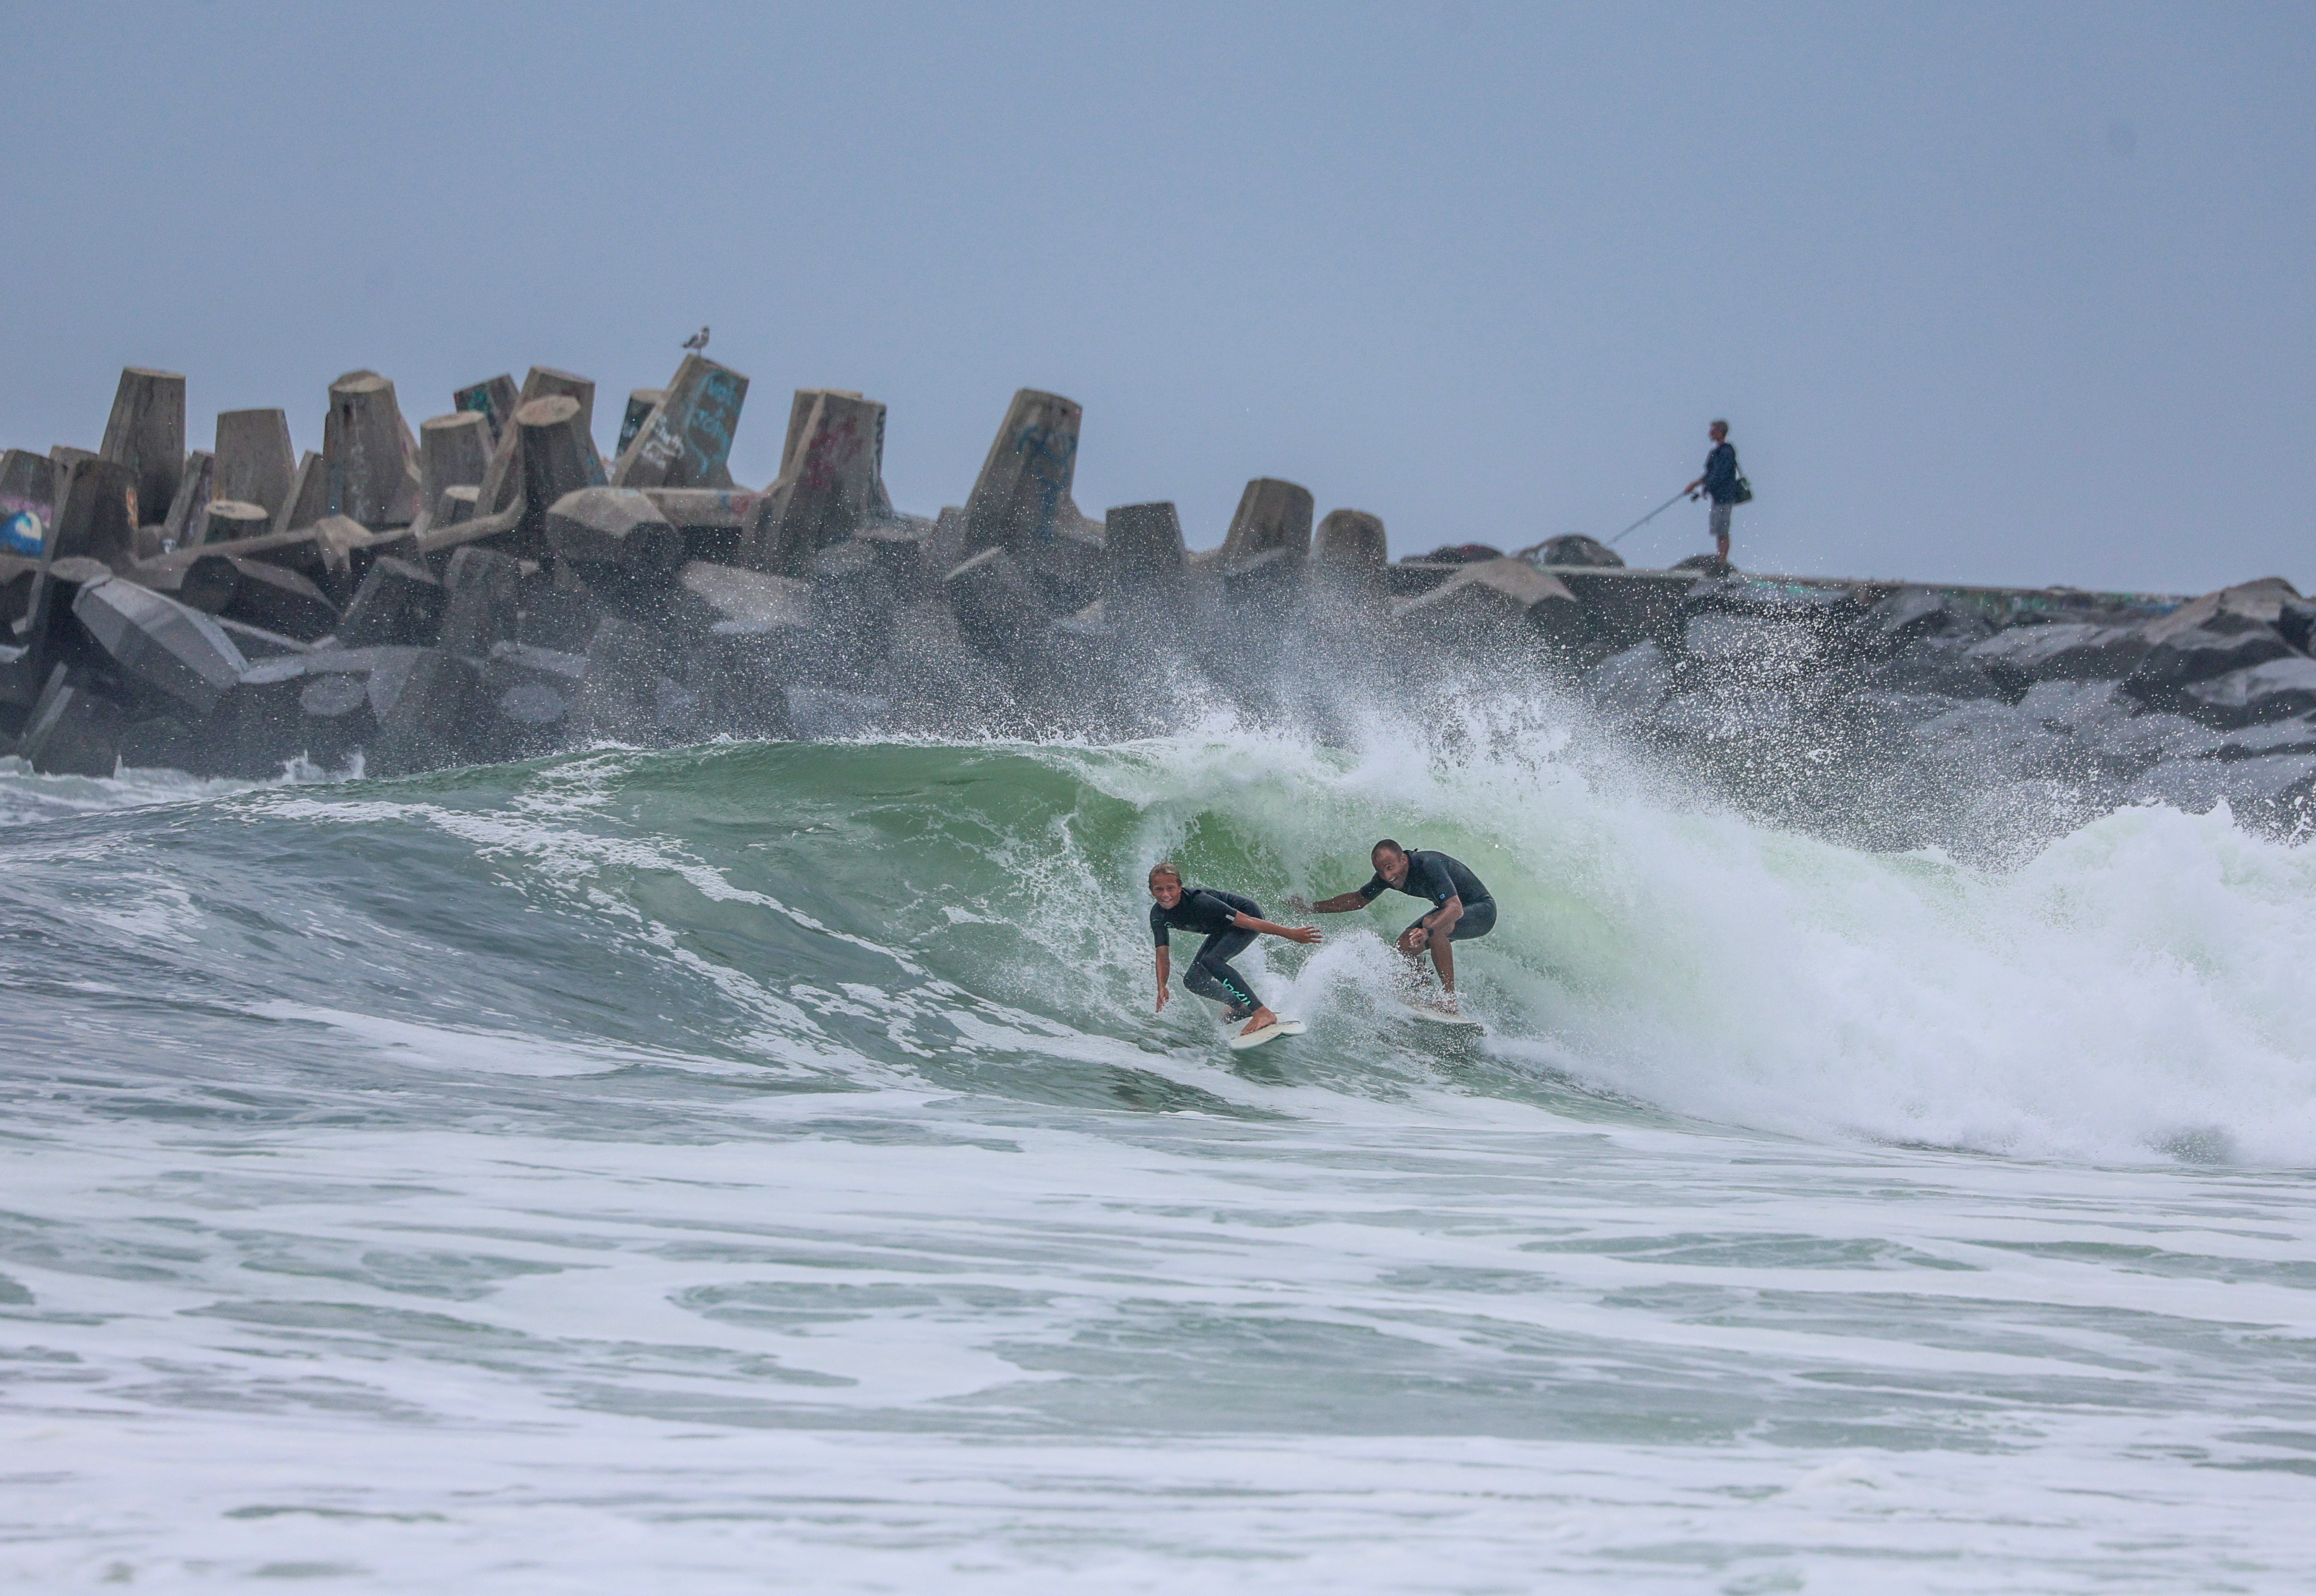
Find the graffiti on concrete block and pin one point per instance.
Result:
(1048, 458)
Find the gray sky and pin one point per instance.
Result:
(2013, 294)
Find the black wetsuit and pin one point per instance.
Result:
(1439, 877)
(1210, 976)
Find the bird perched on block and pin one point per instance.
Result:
(698, 341)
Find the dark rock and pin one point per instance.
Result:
(1911, 613)
(397, 603)
(159, 644)
(2295, 735)
(1931, 663)
(1575, 549)
(2275, 793)
(72, 731)
(2186, 658)
(2295, 621)
(1629, 688)
(2064, 651)
(1463, 554)
(1488, 606)
(2279, 690)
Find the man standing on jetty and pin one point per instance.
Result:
(1719, 483)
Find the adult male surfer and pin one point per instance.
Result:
(1229, 924)
(1461, 908)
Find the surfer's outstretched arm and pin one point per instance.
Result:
(1165, 968)
(1342, 903)
(1292, 933)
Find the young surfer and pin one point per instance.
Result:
(1461, 908)
(1230, 924)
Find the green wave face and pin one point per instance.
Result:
(971, 917)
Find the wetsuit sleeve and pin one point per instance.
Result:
(1158, 926)
(1375, 888)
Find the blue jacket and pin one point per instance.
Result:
(1721, 474)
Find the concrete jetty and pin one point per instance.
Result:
(488, 585)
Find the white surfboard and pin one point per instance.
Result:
(1432, 1016)
(1285, 1028)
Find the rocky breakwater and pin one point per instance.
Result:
(490, 585)
(1980, 719)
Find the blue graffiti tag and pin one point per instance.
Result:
(23, 533)
(1048, 455)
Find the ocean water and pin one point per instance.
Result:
(758, 1167)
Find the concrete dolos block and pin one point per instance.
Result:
(188, 510)
(253, 462)
(559, 455)
(96, 512)
(309, 494)
(997, 605)
(687, 441)
(545, 383)
(1271, 515)
(145, 432)
(230, 521)
(160, 644)
(615, 530)
(831, 483)
(1021, 500)
(368, 452)
(28, 503)
(641, 403)
(454, 451)
(1144, 558)
(494, 399)
(397, 603)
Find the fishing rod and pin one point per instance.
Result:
(1651, 516)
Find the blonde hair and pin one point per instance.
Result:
(1163, 868)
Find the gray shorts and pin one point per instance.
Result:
(1720, 522)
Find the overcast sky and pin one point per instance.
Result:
(2006, 294)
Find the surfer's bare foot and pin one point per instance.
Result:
(1445, 1004)
(1263, 1017)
